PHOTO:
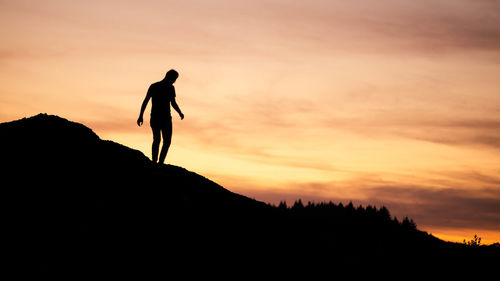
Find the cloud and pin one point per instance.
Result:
(258, 140)
(389, 26)
(453, 208)
(441, 25)
(455, 131)
(458, 208)
(467, 179)
(267, 28)
(475, 132)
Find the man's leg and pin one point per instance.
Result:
(156, 143)
(167, 139)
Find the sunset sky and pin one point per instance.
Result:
(388, 102)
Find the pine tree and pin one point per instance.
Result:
(298, 205)
(409, 224)
(282, 205)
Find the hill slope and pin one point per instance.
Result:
(77, 203)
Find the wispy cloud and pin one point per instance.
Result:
(454, 208)
(469, 132)
(462, 131)
(439, 25)
(458, 208)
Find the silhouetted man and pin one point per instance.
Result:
(162, 94)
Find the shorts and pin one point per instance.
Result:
(161, 122)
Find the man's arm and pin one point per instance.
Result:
(143, 107)
(176, 107)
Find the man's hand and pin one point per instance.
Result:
(139, 121)
(181, 115)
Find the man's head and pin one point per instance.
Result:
(171, 76)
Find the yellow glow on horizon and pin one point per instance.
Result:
(488, 237)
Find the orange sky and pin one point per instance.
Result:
(387, 102)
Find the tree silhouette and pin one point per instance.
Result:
(408, 224)
(475, 242)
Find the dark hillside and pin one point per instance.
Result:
(81, 205)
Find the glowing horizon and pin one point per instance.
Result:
(391, 103)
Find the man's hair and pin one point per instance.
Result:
(172, 74)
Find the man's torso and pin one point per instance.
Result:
(161, 95)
